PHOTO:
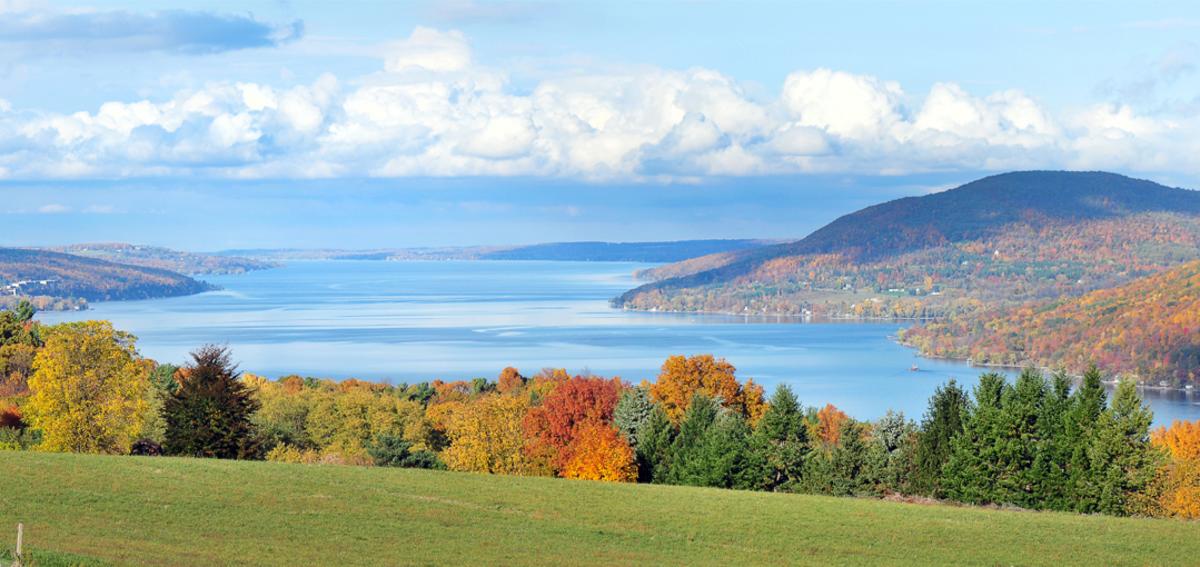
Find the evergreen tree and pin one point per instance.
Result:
(1019, 440)
(779, 444)
(632, 413)
(209, 415)
(1121, 459)
(1054, 456)
(943, 422)
(1079, 427)
(971, 473)
(892, 452)
(654, 447)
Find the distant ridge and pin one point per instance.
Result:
(592, 251)
(49, 276)
(1009, 237)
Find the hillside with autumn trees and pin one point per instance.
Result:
(55, 280)
(1148, 329)
(1001, 240)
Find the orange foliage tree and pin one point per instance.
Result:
(598, 452)
(828, 426)
(683, 377)
(552, 426)
(1178, 481)
(510, 381)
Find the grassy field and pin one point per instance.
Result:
(159, 511)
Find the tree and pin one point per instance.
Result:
(395, 451)
(486, 436)
(510, 381)
(89, 389)
(632, 412)
(1176, 490)
(210, 415)
(828, 426)
(973, 470)
(710, 447)
(598, 452)
(684, 377)
(552, 426)
(894, 439)
(1079, 429)
(779, 442)
(654, 443)
(942, 424)
(1121, 459)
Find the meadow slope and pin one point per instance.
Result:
(165, 511)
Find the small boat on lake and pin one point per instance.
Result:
(914, 368)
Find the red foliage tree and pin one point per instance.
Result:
(552, 426)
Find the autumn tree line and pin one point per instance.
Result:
(1037, 442)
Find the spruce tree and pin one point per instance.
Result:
(1121, 459)
(631, 414)
(1019, 440)
(654, 447)
(943, 422)
(1079, 425)
(972, 472)
(209, 414)
(779, 444)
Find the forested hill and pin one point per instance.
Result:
(622, 251)
(1149, 328)
(1005, 238)
(673, 251)
(192, 263)
(54, 276)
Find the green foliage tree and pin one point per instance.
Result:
(632, 413)
(210, 414)
(1087, 402)
(395, 451)
(710, 447)
(943, 422)
(971, 473)
(1121, 459)
(654, 442)
(779, 444)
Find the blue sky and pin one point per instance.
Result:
(221, 124)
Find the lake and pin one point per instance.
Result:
(416, 321)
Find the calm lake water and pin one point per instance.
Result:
(415, 321)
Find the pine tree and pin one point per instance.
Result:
(779, 444)
(1020, 442)
(943, 422)
(1121, 459)
(209, 415)
(972, 472)
(654, 447)
(1079, 426)
(631, 414)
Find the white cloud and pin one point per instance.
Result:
(53, 209)
(432, 111)
(431, 50)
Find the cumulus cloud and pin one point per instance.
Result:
(432, 110)
(179, 31)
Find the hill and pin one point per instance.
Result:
(165, 259)
(55, 279)
(596, 251)
(1149, 328)
(155, 511)
(1003, 239)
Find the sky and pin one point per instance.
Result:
(214, 125)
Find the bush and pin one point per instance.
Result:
(393, 451)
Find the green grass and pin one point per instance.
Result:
(159, 511)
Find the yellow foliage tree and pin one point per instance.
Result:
(486, 435)
(598, 452)
(1177, 486)
(89, 389)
